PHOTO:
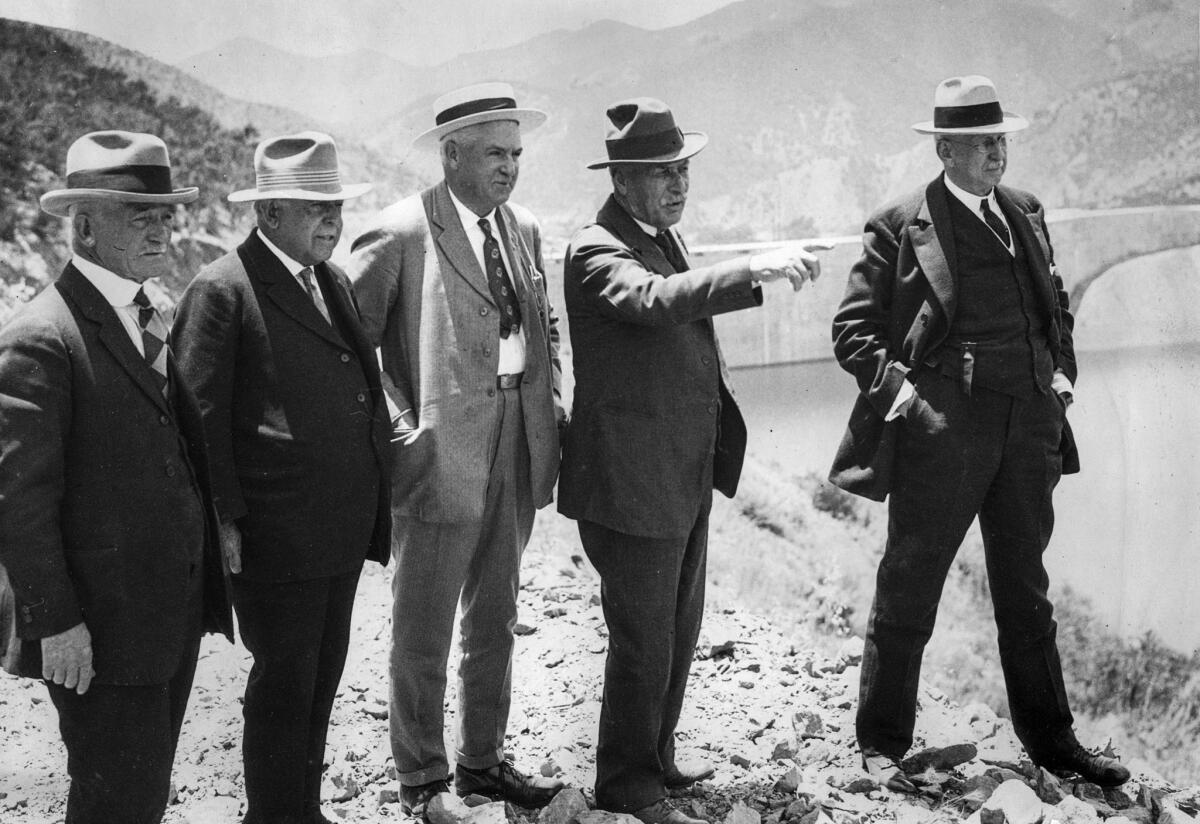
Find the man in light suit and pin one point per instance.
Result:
(106, 522)
(956, 326)
(452, 289)
(299, 431)
(654, 429)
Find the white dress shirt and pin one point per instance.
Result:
(119, 292)
(512, 348)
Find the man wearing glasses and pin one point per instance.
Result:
(956, 326)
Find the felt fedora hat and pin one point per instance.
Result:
(301, 166)
(112, 165)
(477, 103)
(969, 105)
(643, 130)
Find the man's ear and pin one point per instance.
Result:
(81, 225)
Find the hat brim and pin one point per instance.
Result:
(693, 142)
(347, 192)
(527, 120)
(58, 202)
(1010, 123)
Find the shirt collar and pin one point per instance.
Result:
(293, 266)
(465, 213)
(971, 201)
(118, 291)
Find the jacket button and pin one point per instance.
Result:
(164, 420)
(712, 409)
(361, 397)
(170, 470)
(706, 360)
(491, 393)
(345, 358)
(483, 310)
(487, 350)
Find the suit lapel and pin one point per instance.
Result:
(282, 288)
(615, 219)
(112, 332)
(1029, 235)
(935, 249)
(451, 238)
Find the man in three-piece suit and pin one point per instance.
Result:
(956, 326)
(106, 523)
(299, 431)
(654, 429)
(451, 287)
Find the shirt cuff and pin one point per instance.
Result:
(1061, 383)
(905, 392)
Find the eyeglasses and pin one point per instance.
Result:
(986, 145)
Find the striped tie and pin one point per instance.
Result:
(308, 278)
(155, 338)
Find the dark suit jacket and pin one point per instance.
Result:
(426, 303)
(285, 400)
(899, 304)
(651, 388)
(104, 490)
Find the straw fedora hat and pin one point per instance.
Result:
(302, 166)
(642, 130)
(478, 103)
(969, 105)
(129, 167)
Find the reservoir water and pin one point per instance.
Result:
(1127, 526)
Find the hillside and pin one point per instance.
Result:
(770, 702)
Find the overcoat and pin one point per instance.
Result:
(898, 308)
(99, 474)
(425, 303)
(278, 387)
(654, 424)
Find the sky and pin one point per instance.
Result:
(416, 31)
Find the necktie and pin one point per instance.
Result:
(498, 282)
(155, 338)
(308, 278)
(670, 251)
(995, 223)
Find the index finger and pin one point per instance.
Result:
(817, 245)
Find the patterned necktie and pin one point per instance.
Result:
(498, 281)
(995, 224)
(155, 338)
(670, 251)
(308, 278)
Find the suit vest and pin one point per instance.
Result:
(999, 325)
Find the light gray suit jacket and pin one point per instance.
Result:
(425, 303)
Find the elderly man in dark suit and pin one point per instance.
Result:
(106, 525)
(654, 429)
(452, 289)
(956, 325)
(298, 427)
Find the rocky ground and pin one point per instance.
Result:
(774, 716)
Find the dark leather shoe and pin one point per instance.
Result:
(685, 773)
(1091, 767)
(886, 772)
(504, 782)
(414, 800)
(660, 812)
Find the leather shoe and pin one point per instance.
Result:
(504, 782)
(660, 812)
(886, 772)
(685, 773)
(414, 799)
(1090, 766)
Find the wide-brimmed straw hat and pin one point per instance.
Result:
(642, 130)
(477, 103)
(302, 166)
(969, 105)
(129, 167)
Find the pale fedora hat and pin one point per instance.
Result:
(301, 166)
(130, 167)
(969, 105)
(642, 130)
(477, 103)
